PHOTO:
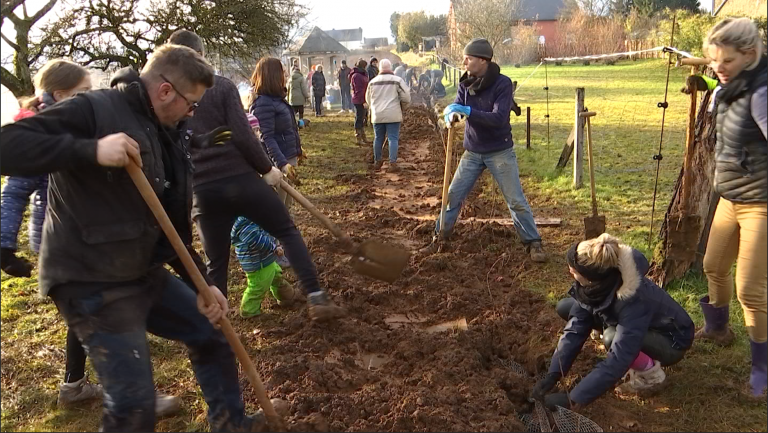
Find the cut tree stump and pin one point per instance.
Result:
(669, 265)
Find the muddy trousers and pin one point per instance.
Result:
(112, 322)
(658, 346)
(503, 167)
(738, 234)
(217, 205)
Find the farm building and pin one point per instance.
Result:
(352, 39)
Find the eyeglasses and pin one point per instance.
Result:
(192, 105)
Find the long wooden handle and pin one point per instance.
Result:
(141, 182)
(446, 177)
(690, 137)
(330, 225)
(591, 167)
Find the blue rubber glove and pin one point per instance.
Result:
(461, 110)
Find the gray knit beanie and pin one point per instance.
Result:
(479, 47)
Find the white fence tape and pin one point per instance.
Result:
(626, 53)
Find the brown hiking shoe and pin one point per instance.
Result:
(377, 165)
(536, 251)
(359, 137)
(286, 294)
(393, 168)
(721, 338)
(365, 139)
(322, 308)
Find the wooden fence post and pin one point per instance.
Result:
(578, 143)
(527, 127)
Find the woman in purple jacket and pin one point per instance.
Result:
(359, 81)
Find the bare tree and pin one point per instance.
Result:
(107, 34)
(489, 19)
(25, 53)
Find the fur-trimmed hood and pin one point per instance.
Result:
(633, 266)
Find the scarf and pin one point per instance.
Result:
(736, 87)
(604, 282)
(478, 84)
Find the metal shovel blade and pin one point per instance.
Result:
(594, 226)
(379, 260)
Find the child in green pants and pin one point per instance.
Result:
(257, 252)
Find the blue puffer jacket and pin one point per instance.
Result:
(634, 308)
(278, 128)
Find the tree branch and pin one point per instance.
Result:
(9, 6)
(12, 83)
(47, 8)
(11, 43)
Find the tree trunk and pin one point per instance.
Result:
(669, 262)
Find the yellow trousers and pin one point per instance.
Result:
(738, 234)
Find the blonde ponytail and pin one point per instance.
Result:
(601, 252)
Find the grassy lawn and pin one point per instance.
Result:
(706, 384)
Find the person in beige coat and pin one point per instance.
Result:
(298, 91)
(387, 95)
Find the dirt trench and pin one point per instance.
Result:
(431, 352)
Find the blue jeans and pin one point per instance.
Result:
(112, 319)
(503, 167)
(392, 131)
(346, 98)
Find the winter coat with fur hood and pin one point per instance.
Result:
(635, 307)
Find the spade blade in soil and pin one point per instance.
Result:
(594, 226)
(683, 237)
(379, 260)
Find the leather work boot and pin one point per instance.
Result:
(393, 168)
(377, 165)
(536, 251)
(322, 308)
(365, 139)
(359, 136)
(716, 327)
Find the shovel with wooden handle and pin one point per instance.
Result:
(372, 258)
(594, 225)
(447, 173)
(140, 180)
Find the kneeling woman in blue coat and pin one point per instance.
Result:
(643, 328)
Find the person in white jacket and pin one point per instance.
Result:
(387, 95)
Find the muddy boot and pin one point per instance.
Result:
(716, 327)
(70, 393)
(322, 308)
(359, 136)
(644, 383)
(435, 246)
(393, 168)
(365, 139)
(285, 294)
(758, 378)
(166, 405)
(377, 165)
(536, 251)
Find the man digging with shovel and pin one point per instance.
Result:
(484, 99)
(103, 252)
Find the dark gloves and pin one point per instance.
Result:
(694, 83)
(14, 265)
(544, 386)
(516, 109)
(218, 136)
(560, 399)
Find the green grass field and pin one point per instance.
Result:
(626, 136)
